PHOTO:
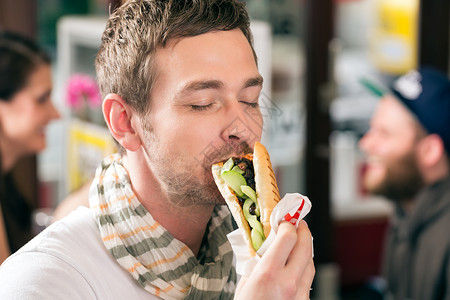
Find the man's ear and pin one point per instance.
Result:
(118, 116)
(431, 150)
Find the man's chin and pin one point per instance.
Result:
(373, 187)
(216, 196)
(210, 194)
(373, 178)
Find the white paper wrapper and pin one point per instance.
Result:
(292, 208)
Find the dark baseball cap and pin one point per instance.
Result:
(426, 93)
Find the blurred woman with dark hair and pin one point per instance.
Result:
(25, 110)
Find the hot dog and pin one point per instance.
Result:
(250, 189)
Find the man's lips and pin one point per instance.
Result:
(240, 149)
(374, 164)
(231, 150)
(231, 155)
(373, 160)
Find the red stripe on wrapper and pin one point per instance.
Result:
(294, 218)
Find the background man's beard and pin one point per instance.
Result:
(403, 181)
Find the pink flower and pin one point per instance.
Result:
(80, 88)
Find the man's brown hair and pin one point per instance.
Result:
(125, 61)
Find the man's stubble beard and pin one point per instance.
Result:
(402, 182)
(184, 188)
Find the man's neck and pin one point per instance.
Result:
(187, 224)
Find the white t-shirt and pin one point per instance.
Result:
(67, 261)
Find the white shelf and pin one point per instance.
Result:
(361, 208)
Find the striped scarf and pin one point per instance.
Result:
(161, 264)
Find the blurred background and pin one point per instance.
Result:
(313, 55)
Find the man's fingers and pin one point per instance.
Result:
(306, 281)
(302, 252)
(286, 269)
(285, 240)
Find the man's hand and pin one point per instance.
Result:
(286, 270)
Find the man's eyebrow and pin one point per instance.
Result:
(256, 81)
(199, 85)
(202, 85)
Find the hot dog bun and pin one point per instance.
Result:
(267, 193)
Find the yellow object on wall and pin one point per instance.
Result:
(88, 145)
(394, 45)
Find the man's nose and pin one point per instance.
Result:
(238, 128)
(364, 142)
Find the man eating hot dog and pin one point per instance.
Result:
(177, 77)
